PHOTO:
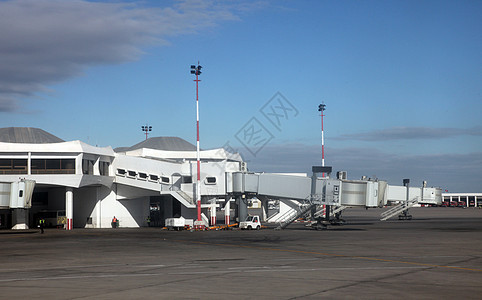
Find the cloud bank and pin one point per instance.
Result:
(47, 41)
(455, 172)
(409, 133)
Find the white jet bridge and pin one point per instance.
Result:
(315, 193)
(18, 197)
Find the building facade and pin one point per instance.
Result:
(87, 186)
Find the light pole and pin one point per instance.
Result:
(196, 70)
(146, 129)
(321, 108)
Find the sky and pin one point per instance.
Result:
(401, 80)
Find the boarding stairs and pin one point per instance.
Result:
(293, 214)
(401, 207)
(320, 212)
(338, 209)
(183, 197)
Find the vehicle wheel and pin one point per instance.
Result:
(249, 227)
(258, 227)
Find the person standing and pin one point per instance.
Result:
(148, 221)
(41, 224)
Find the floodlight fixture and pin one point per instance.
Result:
(146, 129)
(196, 70)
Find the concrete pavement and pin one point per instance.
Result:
(435, 255)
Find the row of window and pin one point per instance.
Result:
(38, 166)
(51, 166)
(143, 176)
(156, 178)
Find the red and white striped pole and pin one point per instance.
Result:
(321, 108)
(197, 71)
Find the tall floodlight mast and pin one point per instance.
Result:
(321, 109)
(196, 70)
(146, 129)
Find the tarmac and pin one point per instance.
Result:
(436, 255)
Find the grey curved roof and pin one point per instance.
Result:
(168, 143)
(27, 135)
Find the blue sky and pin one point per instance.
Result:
(401, 80)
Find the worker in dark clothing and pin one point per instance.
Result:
(148, 221)
(41, 224)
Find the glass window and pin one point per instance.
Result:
(67, 164)
(104, 168)
(88, 167)
(5, 163)
(19, 163)
(13, 166)
(52, 164)
(210, 180)
(38, 164)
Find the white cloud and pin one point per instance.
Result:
(48, 41)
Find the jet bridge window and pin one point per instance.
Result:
(186, 179)
(131, 173)
(153, 177)
(142, 176)
(165, 179)
(121, 172)
(210, 180)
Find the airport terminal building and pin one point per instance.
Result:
(73, 184)
(87, 186)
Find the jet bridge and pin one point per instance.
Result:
(318, 191)
(17, 196)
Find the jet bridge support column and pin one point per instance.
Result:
(242, 207)
(227, 210)
(405, 215)
(212, 212)
(19, 218)
(264, 206)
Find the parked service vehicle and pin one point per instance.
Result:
(251, 222)
(179, 223)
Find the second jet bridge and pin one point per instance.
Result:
(321, 191)
(274, 186)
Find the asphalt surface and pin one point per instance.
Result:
(437, 255)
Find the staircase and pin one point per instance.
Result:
(184, 198)
(338, 209)
(291, 215)
(399, 208)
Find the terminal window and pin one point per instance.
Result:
(53, 166)
(13, 166)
